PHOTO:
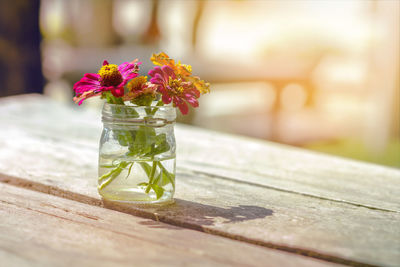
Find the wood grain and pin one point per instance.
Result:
(267, 194)
(289, 169)
(41, 230)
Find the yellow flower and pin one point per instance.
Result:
(136, 83)
(140, 92)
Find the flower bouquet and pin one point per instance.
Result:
(137, 145)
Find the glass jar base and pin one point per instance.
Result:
(136, 196)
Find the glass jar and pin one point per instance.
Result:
(137, 154)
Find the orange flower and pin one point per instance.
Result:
(139, 89)
(182, 71)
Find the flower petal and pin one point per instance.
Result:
(126, 69)
(154, 71)
(84, 96)
(183, 107)
(87, 82)
(85, 88)
(92, 76)
(88, 79)
(118, 92)
(192, 101)
(168, 72)
(156, 80)
(194, 92)
(131, 76)
(126, 79)
(166, 98)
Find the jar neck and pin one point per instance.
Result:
(152, 116)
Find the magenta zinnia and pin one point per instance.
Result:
(109, 78)
(173, 88)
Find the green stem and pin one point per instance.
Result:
(106, 175)
(108, 182)
(111, 175)
(151, 177)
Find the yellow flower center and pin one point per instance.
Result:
(175, 84)
(110, 75)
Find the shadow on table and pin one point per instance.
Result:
(191, 214)
(202, 214)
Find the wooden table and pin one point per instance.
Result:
(239, 201)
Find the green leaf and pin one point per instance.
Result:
(160, 138)
(143, 184)
(144, 141)
(157, 180)
(166, 176)
(129, 171)
(158, 190)
(125, 138)
(110, 98)
(146, 167)
(132, 113)
(163, 147)
(162, 179)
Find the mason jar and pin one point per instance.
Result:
(137, 154)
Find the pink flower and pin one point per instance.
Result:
(174, 88)
(109, 78)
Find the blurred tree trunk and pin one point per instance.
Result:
(383, 122)
(196, 22)
(153, 34)
(20, 63)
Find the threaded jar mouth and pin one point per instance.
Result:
(153, 116)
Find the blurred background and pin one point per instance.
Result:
(322, 75)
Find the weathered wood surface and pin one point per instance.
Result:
(290, 169)
(275, 196)
(41, 230)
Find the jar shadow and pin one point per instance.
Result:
(203, 214)
(189, 214)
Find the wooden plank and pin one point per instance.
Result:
(290, 169)
(41, 230)
(243, 159)
(235, 205)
